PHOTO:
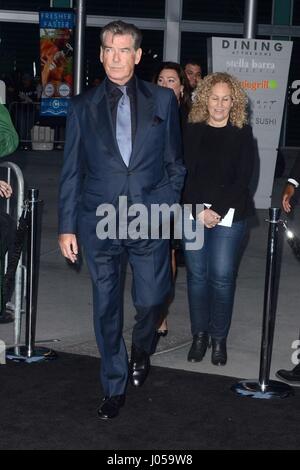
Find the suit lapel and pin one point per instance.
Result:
(102, 119)
(145, 114)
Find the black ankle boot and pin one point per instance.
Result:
(219, 353)
(199, 347)
(291, 376)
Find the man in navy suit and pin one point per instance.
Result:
(107, 158)
(291, 376)
(291, 185)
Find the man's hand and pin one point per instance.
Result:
(68, 246)
(288, 193)
(209, 218)
(5, 189)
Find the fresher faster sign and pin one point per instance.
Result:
(262, 67)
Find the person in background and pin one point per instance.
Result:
(290, 188)
(123, 140)
(27, 92)
(291, 185)
(9, 141)
(7, 232)
(171, 75)
(219, 156)
(7, 224)
(193, 72)
(11, 92)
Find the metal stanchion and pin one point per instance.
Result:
(29, 353)
(264, 388)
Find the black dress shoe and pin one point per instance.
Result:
(219, 352)
(199, 347)
(139, 366)
(111, 406)
(292, 376)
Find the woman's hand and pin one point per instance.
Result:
(209, 218)
(5, 189)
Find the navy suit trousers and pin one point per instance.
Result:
(151, 286)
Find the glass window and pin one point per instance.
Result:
(15, 60)
(19, 47)
(264, 11)
(28, 5)
(226, 10)
(293, 102)
(153, 48)
(194, 46)
(93, 69)
(133, 8)
(152, 45)
(296, 13)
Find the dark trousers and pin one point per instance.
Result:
(7, 236)
(7, 232)
(151, 286)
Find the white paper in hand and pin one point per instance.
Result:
(227, 219)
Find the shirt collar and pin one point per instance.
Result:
(112, 87)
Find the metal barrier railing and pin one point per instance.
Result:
(26, 115)
(18, 191)
(31, 221)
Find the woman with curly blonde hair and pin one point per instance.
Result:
(219, 156)
(238, 114)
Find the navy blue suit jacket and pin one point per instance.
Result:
(94, 172)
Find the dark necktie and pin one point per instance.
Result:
(123, 127)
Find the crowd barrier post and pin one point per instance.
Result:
(264, 388)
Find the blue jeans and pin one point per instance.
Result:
(211, 275)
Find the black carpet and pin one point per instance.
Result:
(53, 406)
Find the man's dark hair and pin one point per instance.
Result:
(121, 28)
(192, 62)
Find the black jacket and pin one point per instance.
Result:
(219, 164)
(295, 171)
